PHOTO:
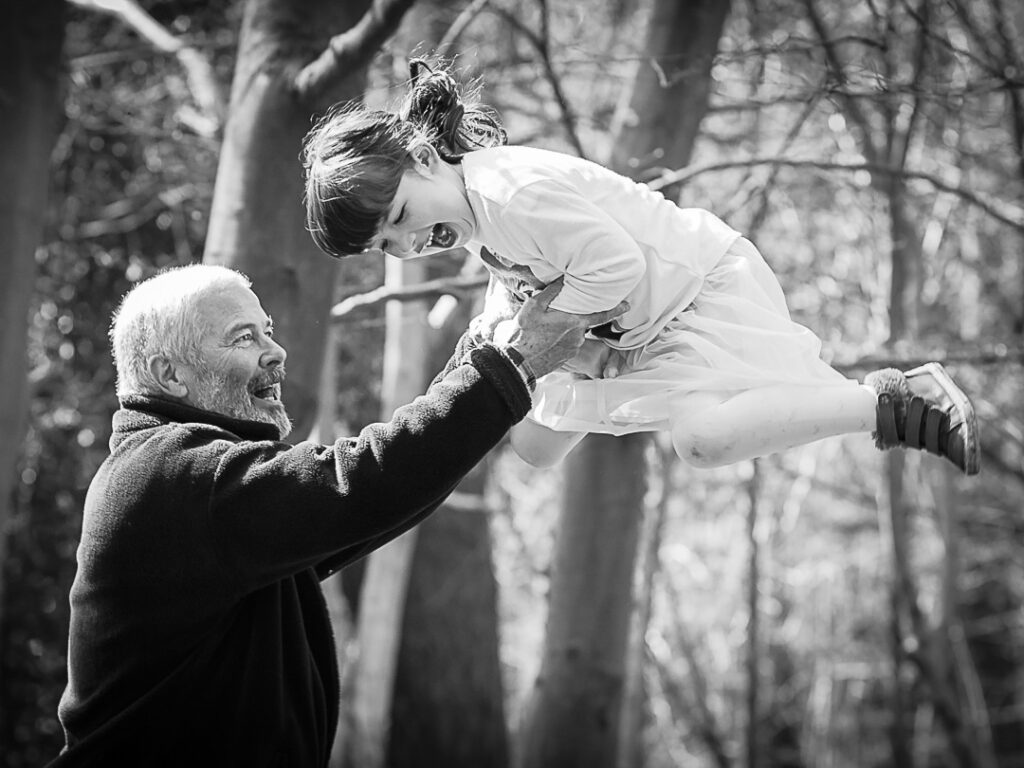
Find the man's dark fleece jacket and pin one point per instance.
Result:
(199, 633)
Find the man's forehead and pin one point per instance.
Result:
(227, 306)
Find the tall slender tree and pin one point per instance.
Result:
(574, 712)
(386, 578)
(886, 130)
(447, 704)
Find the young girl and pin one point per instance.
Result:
(707, 349)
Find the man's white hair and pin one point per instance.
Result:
(159, 316)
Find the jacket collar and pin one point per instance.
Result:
(145, 411)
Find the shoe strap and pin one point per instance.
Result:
(915, 416)
(932, 429)
(888, 432)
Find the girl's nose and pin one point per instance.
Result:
(399, 242)
(405, 243)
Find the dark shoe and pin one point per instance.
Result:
(925, 409)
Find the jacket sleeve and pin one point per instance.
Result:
(277, 509)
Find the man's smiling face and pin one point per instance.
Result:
(241, 367)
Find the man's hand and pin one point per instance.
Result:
(500, 304)
(546, 337)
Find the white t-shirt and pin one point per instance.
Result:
(611, 237)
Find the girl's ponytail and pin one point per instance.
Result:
(435, 105)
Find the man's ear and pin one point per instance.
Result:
(167, 376)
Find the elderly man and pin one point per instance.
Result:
(199, 634)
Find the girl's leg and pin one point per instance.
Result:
(542, 447)
(711, 430)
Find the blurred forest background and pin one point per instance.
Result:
(828, 607)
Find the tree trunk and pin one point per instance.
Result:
(448, 703)
(658, 124)
(439, 645)
(573, 715)
(634, 694)
(257, 221)
(606, 476)
(31, 39)
(753, 747)
(386, 579)
(448, 697)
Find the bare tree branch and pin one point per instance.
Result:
(352, 46)
(837, 70)
(993, 353)
(847, 362)
(1012, 216)
(198, 70)
(454, 286)
(464, 19)
(540, 44)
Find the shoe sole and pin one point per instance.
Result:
(972, 446)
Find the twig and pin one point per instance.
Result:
(540, 44)
(975, 354)
(455, 286)
(992, 353)
(1009, 215)
(462, 21)
(198, 71)
(354, 45)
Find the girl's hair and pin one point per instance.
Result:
(355, 157)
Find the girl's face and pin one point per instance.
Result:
(430, 212)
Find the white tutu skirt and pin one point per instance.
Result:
(737, 335)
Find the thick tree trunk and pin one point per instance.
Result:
(573, 718)
(573, 714)
(652, 128)
(448, 703)
(257, 221)
(31, 39)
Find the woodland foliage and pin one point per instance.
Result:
(784, 630)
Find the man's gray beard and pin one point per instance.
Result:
(226, 395)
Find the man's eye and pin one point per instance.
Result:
(244, 337)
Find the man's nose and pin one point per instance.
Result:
(274, 354)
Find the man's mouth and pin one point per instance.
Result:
(272, 392)
(267, 389)
(442, 236)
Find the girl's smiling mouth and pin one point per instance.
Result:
(442, 236)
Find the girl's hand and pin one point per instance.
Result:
(591, 361)
(516, 278)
